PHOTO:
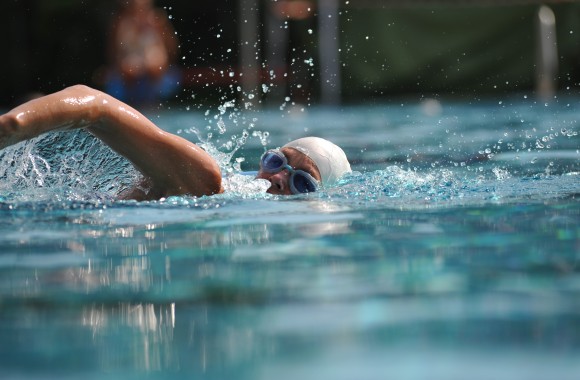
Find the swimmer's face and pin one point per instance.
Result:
(279, 181)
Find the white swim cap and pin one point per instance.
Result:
(328, 157)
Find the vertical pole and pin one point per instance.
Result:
(328, 45)
(547, 61)
(249, 47)
(276, 57)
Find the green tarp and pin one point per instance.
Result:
(450, 49)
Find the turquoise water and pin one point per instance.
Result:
(451, 252)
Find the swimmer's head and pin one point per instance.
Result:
(328, 157)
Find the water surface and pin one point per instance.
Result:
(451, 252)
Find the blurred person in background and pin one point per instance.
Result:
(142, 50)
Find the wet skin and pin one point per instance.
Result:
(279, 181)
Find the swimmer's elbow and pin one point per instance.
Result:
(203, 180)
(96, 104)
(82, 93)
(81, 88)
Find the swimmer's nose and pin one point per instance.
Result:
(279, 183)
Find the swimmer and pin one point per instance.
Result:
(142, 51)
(170, 165)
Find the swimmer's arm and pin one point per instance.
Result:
(171, 164)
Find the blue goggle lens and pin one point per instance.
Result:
(272, 162)
(303, 184)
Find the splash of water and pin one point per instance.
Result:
(221, 146)
(64, 165)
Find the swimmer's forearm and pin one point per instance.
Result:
(67, 109)
(72, 108)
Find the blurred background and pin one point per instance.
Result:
(308, 51)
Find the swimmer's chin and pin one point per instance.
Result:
(275, 191)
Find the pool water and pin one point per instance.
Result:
(451, 252)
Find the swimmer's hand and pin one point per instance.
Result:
(8, 129)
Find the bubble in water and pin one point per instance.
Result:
(221, 126)
(262, 136)
(228, 104)
(501, 174)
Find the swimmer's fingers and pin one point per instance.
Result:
(8, 130)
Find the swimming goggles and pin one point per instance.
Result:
(274, 161)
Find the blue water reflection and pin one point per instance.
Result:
(451, 252)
